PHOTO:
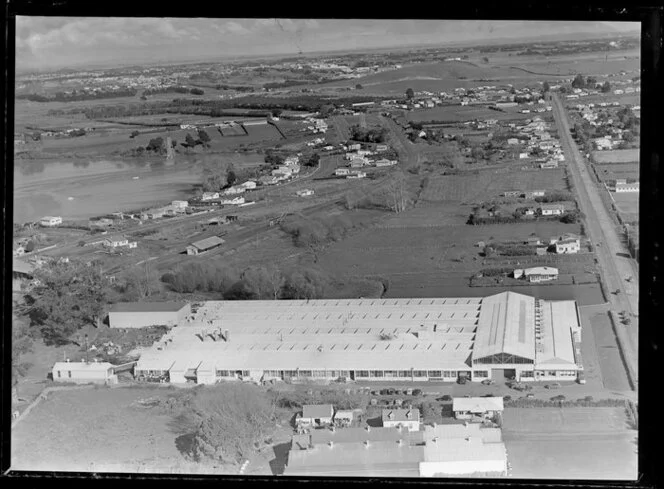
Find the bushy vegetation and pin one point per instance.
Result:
(314, 234)
(297, 398)
(226, 422)
(555, 196)
(76, 96)
(368, 135)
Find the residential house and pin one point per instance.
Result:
(381, 147)
(341, 172)
(210, 195)
(354, 147)
(50, 221)
(268, 180)
(477, 408)
(523, 156)
(537, 274)
(356, 174)
(408, 418)
(249, 185)
(385, 162)
(304, 193)
(531, 194)
(357, 162)
(512, 141)
(238, 189)
(567, 243)
(552, 209)
(549, 164)
(84, 372)
(344, 418)
(512, 193)
(180, 204)
(233, 201)
(316, 415)
(115, 242)
(22, 274)
(204, 245)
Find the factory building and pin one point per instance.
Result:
(507, 335)
(144, 314)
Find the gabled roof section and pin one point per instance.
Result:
(506, 325)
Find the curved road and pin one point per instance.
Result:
(614, 266)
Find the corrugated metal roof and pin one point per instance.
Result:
(557, 347)
(464, 450)
(477, 404)
(317, 411)
(208, 243)
(147, 306)
(81, 366)
(399, 415)
(506, 325)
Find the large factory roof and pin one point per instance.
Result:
(506, 325)
(555, 347)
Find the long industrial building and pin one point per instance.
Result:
(502, 335)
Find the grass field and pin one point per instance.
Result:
(489, 184)
(628, 205)
(616, 156)
(570, 443)
(464, 113)
(84, 430)
(612, 171)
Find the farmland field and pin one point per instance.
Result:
(628, 205)
(612, 171)
(464, 113)
(616, 156)
(570, 443)
(489, 184)
(98, 427)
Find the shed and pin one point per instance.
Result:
(316, 414)
(204, 245)
(476, 407)
(84, 372)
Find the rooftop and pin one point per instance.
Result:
(317, 411)
(19, 266)
(399, 415)
(80, 366)
(477, 404)
(207, 243)
(555, 346)
(147, 306)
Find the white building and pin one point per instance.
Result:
(627, 187)
(144, 314)
(552, 209)
(537, 274)
(304, 193)
(342, 172)
(316, 415)
(84, 372)
(396, 418)
(210, 195)
(476, 408)
(180, 204)
(567, 243)
(115, 242)
(50, 221)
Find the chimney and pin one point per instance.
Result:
(367, 444)
(333, 429)
(467, 438)
(368, 427)
(203, 335)
(435, 440)
(331, 443)
(68, 360)
(390, 415)
(227, 336)
(409, 414)
(400, 442)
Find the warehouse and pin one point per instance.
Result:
(503, 335)
(442, 450)
(144, 314)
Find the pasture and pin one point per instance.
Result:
(570, 443)
(462, 113)
(616, 156)
(628, 205)
(612, 171)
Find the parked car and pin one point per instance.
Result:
(446, 397)
(555, 385)
(417, 392)
(581, 378)
(461, 380)
(383, 392)
(509, 398)
(488, 382)
(390, 392)
(409, 392)
(530, 396)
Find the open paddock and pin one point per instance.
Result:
(612, 171)
(628, 205)
(460, 113)
(570, 443)
(616, 156)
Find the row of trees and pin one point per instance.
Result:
(76, 96)
(253, 283)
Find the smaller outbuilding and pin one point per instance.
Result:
(304, 193)
(567, 243)
(316, 415)
(84, 372)
(476, 408)
(552, 209)
(207, 244)
(50, 221)
(537, 274)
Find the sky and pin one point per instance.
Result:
(58, 42)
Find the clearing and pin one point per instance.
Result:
(616, 156)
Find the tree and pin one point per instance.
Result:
(606, 87)
(231, 176)
(478, 153)
(546, 87)
(232, 419)
(190, 142)
(579, 81)
(409, 93)
(196, 91)
(68, 297)
(591, 81)
(358, 87)
(134, 134)
(30, 246)
(204, 137)
(21, 344)
(313, 160)
(485, 59)
(276, 112)
(156, 144)
(628, 136)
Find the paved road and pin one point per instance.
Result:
(600, 228)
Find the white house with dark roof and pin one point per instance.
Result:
(476, 408)
(316, 415)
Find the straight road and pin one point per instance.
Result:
(614, 265)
